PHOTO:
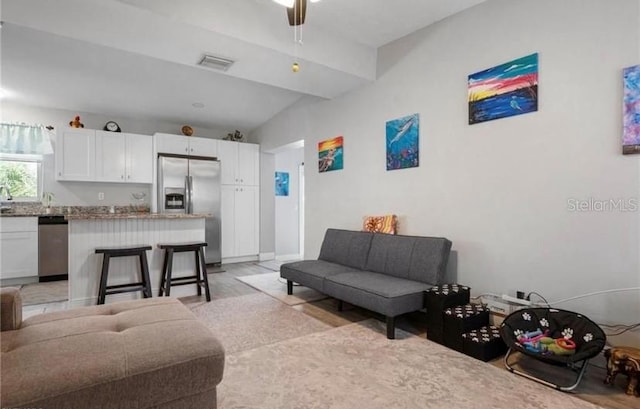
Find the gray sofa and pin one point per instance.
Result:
(380, 272)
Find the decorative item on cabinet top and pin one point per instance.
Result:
(75, 123)
(235, 136)
(187, 130)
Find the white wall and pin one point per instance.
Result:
(81, 193)
(499, 189)
(287, 233)
(267, 206)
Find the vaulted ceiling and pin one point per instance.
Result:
(139, 57)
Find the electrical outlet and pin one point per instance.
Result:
(500, 306)
(515, 300)
(101, 196)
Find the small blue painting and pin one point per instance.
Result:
(282, 184)
(403, 142)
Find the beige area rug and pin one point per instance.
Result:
(272, 284)
(273, 265)
(355, 366)
(250, 321)
(43, 293)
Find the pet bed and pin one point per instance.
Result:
(553, 336)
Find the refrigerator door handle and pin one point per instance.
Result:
(190, 193)
(187, 195)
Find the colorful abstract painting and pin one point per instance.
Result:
(330, 154)
(631, 110)
(403, 142)
(282, 184)
(506, 90)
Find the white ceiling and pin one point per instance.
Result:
(136, 58)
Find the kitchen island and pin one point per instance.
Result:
(90, 231)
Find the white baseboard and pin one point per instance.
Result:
(17, 282)
(286, 257)
(230, 260)
(266, 256)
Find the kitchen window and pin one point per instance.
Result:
(20, 177)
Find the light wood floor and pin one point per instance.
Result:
(224, 285)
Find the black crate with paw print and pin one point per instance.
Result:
(461, 319)
(439, 298)
(484, 343)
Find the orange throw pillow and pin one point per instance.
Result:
(380, 224)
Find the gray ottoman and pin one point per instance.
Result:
(151, 353)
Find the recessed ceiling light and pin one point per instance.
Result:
(197, 105)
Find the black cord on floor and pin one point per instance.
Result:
(620, 328)
(627, 329)
(539, 296)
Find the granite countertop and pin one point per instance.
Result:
(107, 216)
(26, 209)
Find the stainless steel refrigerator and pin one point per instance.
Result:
(192, 185)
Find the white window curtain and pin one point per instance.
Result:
(25, 139)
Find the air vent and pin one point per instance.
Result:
(216, 63)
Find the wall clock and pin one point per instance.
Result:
(111, 126)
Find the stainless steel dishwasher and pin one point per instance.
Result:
(53, 248)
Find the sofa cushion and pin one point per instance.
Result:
(10, 308)
(422, 259)
(132, 354)
(349, 248)
(311, 273)
(382, 293)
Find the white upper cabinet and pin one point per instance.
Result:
(124, 157)
(240, 163)
(75, 154)
(248, 164)
(100, 156)
(203, 147)
(110, 156)
(186, 145)
(228, 156)
(139, 158)
(168, 143)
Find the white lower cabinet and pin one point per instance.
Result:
(240, 221)
(18, 247)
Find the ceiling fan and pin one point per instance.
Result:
(296, 10)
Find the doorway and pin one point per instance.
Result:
(289, 202)
(301, 210)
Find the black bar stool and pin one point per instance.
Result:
(144, 285)
(200, 279)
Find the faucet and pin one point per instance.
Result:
(6, 188)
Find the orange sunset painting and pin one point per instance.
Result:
(330, 154)
(505, 90)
